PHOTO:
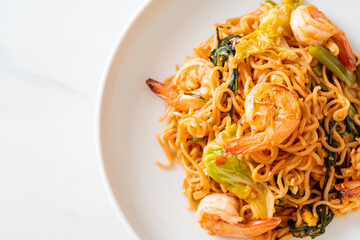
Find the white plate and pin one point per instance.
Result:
(148, 199)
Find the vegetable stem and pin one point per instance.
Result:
(225, 48)
(357, 73)
(271, 2)
(317, 70)
(333, 64)
(201, 99)
(332, 156)
(195, 140)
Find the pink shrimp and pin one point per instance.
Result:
(273, 112)
(349, 187)
(181, 102)
(218, 214)
(311, 26)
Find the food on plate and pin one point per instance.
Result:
(264, 118)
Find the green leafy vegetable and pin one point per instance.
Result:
(292, 4)
(235, 175)
(269, 37)
(233, 84)
(352, 127)
(323, 87)
(325, 214)
(333, 64)
(296, 196)
(357, 73)
(287, 203)
(271, 2)
(313, 84)
(194, 139)
(201, 99)
(352, 131)
(233, 129)
(317, 70)
(225, 48)
(332, 156)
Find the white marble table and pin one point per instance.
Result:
(52, 54)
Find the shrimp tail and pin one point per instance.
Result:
(218, 214)
(260, 226)
(163, 91)
(246, 144)
(349, 187)
(251, 229)
(180, 101)
(346, 54)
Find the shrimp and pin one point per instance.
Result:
(194, 74)
(218, 214)
(273, 112)
(181, 102)
(349, 187)
(311, 26)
